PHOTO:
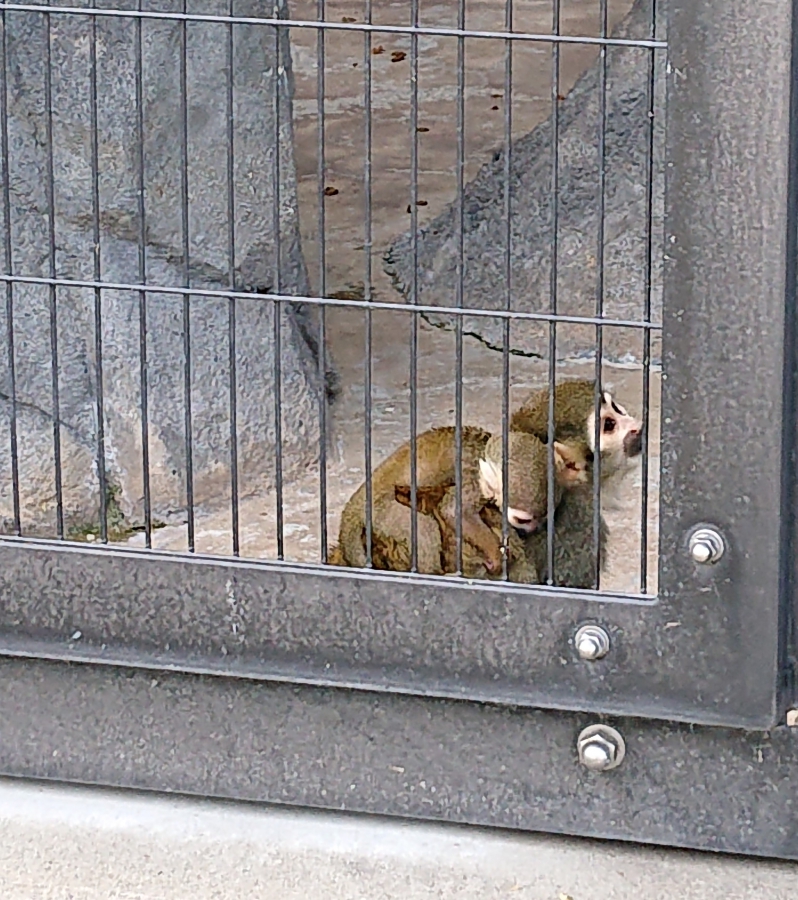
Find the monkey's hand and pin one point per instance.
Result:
(476, 532)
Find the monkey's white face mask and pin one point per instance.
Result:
(525, 517)
(620, 435)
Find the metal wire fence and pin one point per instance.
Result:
(79, 86)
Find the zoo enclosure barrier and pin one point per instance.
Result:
(170, 354)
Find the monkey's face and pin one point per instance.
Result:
(527, 495)
(620, 436)
(522, 521)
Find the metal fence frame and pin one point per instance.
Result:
(450, 727)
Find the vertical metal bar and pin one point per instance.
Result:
(320, 91)
(367, 240)
(50, 188)
(231, 302)
(602, 142)
(508, 269)
(723, 306)
(184, 208)
(278, 312)
(142, 243)
(458, 334)
(652, 62)
(9, 270)
(788, 608)
(555, 165)
(98, 320)
(414, 287)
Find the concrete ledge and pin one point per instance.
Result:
(67, 843)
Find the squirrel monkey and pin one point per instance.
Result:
(620, 434)
(620, 442)
(481, 484)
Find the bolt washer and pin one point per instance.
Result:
(706, 545)
(592, 642)
(600, 737)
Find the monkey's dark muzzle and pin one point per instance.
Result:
(633, 444)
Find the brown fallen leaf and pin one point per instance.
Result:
(354, 65)
(421, 203)
(561, 97)
(494, 107)
(422, 128)
(378, 49)
(330, 191)
(497, 96)
(348, 19)
(398, 55)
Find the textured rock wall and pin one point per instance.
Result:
(625, 245)
(256, 76)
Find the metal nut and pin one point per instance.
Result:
(592, 642)
(600, 748)
(706, 546)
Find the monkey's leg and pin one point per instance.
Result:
(350, 534)
(519, 570)
(473, 558)
(476, 532)
(392, 520)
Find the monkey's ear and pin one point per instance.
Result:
(490, 480)
(571, 465)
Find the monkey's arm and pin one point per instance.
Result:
(440, 503)
(475, 531)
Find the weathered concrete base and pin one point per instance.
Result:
(62, 842)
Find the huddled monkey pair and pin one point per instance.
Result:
(620, 445)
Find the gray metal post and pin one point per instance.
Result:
(724, 319)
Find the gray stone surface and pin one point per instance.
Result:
(66, 843)
(625, 242)
(165, 265)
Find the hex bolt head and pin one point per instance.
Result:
(592, 642)
(600, 748)
(706, 546)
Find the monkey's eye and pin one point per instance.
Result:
(609, 426)
(589, 457)
(520, 520)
